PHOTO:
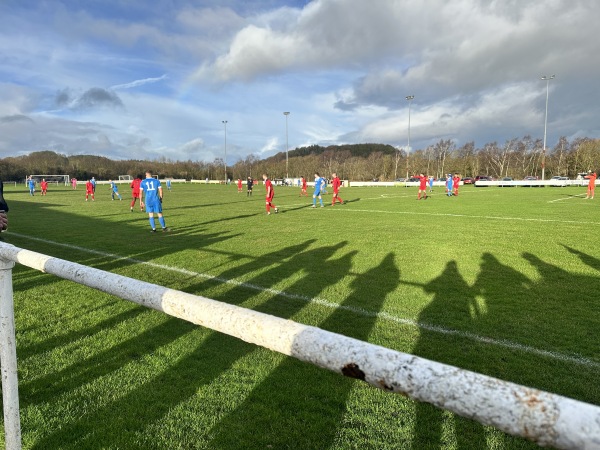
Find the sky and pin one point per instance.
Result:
(139, 79)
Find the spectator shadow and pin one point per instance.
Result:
(535, 331)
(307, 402)
(453, 300)
(588, 260)
(180, 381)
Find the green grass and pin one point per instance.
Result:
(519, 267)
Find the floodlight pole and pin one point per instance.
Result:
(225, 160)
(547, 80)
(410, 99)
(287, 175)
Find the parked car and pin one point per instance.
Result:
(414, 179)
(468, 180)
(502, 184)
(557, 181)
(401, 180)
(481, 178)
(532, 178)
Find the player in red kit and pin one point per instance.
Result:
(239, 185)
(270, 195)
(336, 183)
(44, 186)
(303, 191)
(89, 190)
(423, 179)
(591, 184)
(455, 183)
(135, 192)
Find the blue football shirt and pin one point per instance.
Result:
(150, 187)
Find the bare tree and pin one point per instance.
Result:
(441, 150)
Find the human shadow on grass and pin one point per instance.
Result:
(87, 370)
(505, 306)
(204, 205)
(226, 219)
(588, 260)
(307, 404)
(286, 209)
(114, 424)
(84, 311)
(351, 200)
(104, 236)
(62, 339)
(453, 300)
(556, 306)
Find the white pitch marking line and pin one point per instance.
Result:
(566, 198)
(522, 219)
(575, 359)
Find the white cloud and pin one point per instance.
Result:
(270, 147)
(137, 83)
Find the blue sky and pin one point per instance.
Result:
(146, 80)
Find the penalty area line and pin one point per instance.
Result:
(573, 359)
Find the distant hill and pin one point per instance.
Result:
(361, 150)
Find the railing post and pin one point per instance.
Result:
(8, 359)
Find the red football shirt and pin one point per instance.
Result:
(592, 178)
(336, 183)
(269, 187)
(423, 183)
(135, 185)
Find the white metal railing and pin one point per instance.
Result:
(534, 183)
(545, 418)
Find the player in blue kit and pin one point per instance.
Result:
(31, 185)
(152, 189)
(114, 190)
(449, 185)
(319, 186)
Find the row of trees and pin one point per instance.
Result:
(84, 167)
(516, 158)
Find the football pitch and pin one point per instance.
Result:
(500, 281)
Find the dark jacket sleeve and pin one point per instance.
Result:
(3, 204)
